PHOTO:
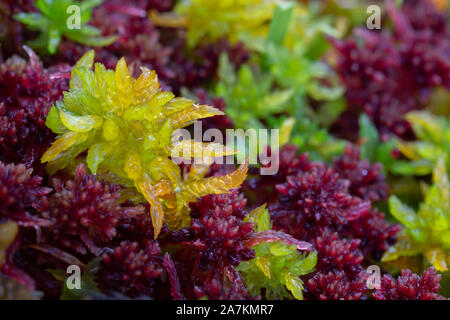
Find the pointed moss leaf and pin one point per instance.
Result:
(54, 122)
(260, 217)
(54, 38)
(264, 265)
(79, 123)
(8, 232)
(437, 258)
(94, 41)
(295, 285)
(305, 266)
(95, 156)
(285, 130)
(87, 60)
(280, 249)
(368, 133)
(34, 21)
(277, 267)
(226, 70)
(426, 125)
(280, 22)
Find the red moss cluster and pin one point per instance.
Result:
(316, 199)
(366, 180)
(225, 285)
(214, 246)
(316, 203)
(219, 231)
(390, 74)
(338, 253)
(335, 285)
(339, 272)
(27, 91)
(12, 33)
(84, 212)
(375, 233)
(19, 194)
(410, 286)
(424, 35)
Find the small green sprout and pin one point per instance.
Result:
(52, 21)
(277, 266)
(427, 231)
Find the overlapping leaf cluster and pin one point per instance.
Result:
(427, 230)
(433, 133)
(288, 74)
(277, 266)
(126, 127)
(212, 20)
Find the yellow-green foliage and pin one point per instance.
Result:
(277, 266)
(427, 231)
(8, 231)
(434, 143)
(210, 20)
(311, 26)
(126, 126)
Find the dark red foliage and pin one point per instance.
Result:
(132, 269)
(212, 247)
(27, 91)
(340, 254)
(218, 231)
(160, 5)
(335, 285)
(375, 233)
(175, 289)
(410, 286)
(315, 205)
(12, 33)
(289, 163)
(425, 43)
(339, 272)
(84, 212)
(390, 74)
(314, 200)
(19, 194)
(226, 285)
(423, 15)
(262, 187)
(371, 72)
(138, 40)
(136, 224)
(371, 228)
(366, 180)
(209, 55)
